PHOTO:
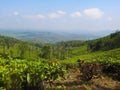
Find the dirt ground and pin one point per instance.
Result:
(72, 81)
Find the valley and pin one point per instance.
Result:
(65, 65)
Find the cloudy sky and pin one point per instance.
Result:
(64, 15)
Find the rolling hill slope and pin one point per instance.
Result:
(46, 36)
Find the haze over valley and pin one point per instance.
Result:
(37, 36)
(59, 45)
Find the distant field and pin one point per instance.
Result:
(46, 36)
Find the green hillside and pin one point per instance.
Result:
(106, 43)
(101, 49)
(17, 49)
(69, 50)
(98, 56)
(26, 66)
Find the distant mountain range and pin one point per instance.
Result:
(46, 36)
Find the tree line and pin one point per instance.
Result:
(106, 43)
(61, 50)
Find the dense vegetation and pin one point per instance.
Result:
(74, 43)
(17, 74)
(26, 66)
(106, 43)
(17, 49)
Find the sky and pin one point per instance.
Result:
(60, 15)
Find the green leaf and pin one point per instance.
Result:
(28, 77)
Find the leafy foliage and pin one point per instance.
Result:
(24, 66)
(24, 74)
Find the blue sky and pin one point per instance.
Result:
(60, 15)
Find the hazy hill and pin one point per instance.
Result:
(46, 36)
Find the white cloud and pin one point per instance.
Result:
(39, 16)
(76, 14)
(53, 15)
(57, 14)
(95, 13)
(109, 18)
(15, 13)
(61, 12)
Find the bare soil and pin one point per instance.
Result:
(73, 81)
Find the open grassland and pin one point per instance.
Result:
(112, 56)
